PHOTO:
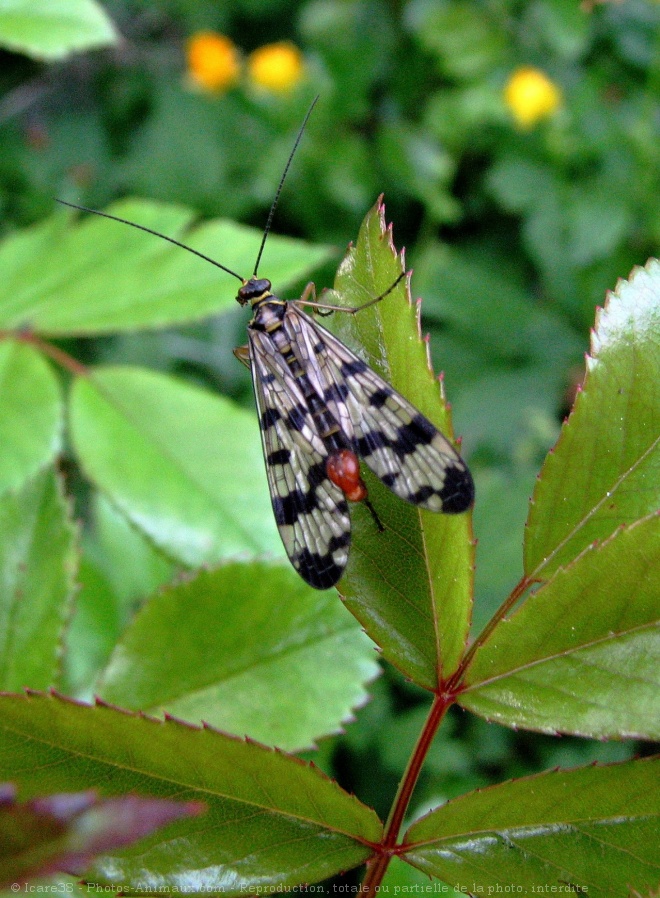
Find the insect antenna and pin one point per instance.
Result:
(269, 221)
(140, 227)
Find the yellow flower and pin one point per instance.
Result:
(531, 96)
(276, 67)
(214, 62)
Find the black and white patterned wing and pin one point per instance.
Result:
(402, 447)
(311, 512)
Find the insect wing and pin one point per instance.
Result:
(311, 512)
(402, 447)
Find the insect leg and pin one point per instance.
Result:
(326, 308)
(242, 353)
(318, 307)
(374, 514)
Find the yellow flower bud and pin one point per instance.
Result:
(276, 67)
(531, 96)
(214, 63)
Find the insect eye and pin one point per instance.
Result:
(253, 289)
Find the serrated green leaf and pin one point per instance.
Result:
(224, 648)
(37, 563)
(588, 830)
(582, 655)
(30, 414)
(65, 831)
(271, 819)
(183, 465)
(98, 276)
(54, 29)
(605, 468)
(409, 586)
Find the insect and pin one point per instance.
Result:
(322, 409)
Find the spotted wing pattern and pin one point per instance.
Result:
(402, 448)
(311, 512)
(302, 376)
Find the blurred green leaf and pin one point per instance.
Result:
(507, 410)
(271, 820)
(70, 150)
(547, 239)
(568, 223)
(55, 29)
(518, 182)
(202, 165)
(119, 569)
(133, 566)
(543, 197)
(484, 295)
(410, 585)
(558, 25)
(169, 457)
(92, 632)
(591, 829)
(98, 276)
(223, 648)
(572, 752)
(370, 719)
(352, 186)
(37, 564)
(605, 468)
(30, 414)
(56, 832)
(419, 165)
(447, 755)
(499, 520)
(598, 219)
(461, 117)
(582, 655)
(343, 33)
(467, 41)
(635, 33)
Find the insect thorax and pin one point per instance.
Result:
(268, 313)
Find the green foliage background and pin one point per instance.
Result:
(514, 236)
